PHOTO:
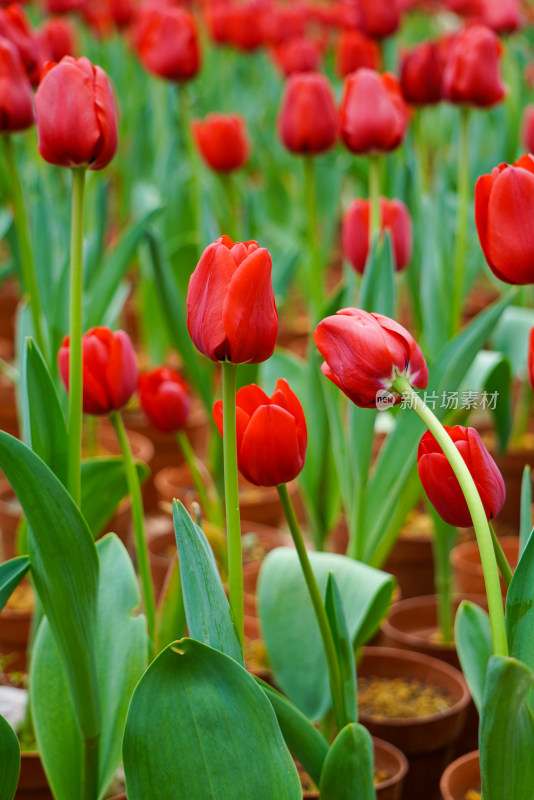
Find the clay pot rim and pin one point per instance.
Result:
(458, 552)
(395, 753)
(16, 613)
(474, 755)
(161, 476)
(411, 656)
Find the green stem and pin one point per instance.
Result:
(75, 332)
(232, 216)
(90, 770)
(318, 607)
(211, 506)
(461, 222)
(421, 151)
(315, 282)
(231, 496)
(27, 261)
(476, 509)
(442, 544)
(374, 198)
(192, 157)
(502, 561)
(138, 519)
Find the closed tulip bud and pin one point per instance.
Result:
(164, 398)
(109, 369)
(271, 434)
(502, 16)
(364, 354)
(373, 113)
(14, 25)
(297, 55)
(222, 140)
(530, 358)
(307, 120)
(355, 51)
(471, 75)
(394, 218)
(231, 312)
(58, 38)
(283, 23)
(244, 25)
(441, 484)
(16, 98)
(504, 216)
(166, 42)
(527, 129)
(421, 75)
(76, 115)
(122, 12)
(379, 18)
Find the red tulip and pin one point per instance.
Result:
(222, 140)
(271, 434)
(16, 98)
(504, 216)
(58, 38)
(297, 55)
(64, 6)
(109, 369)
(502, 16)
(231, 312)
(364, 353)
(421, 75)
(530, 358)
(283, 23)
(14, 25)
(471, 74)
(441, 485)
(394, 217)
(76, 115)
(164, 398)
(244, 25)
(527, 128)
(354, 51)
(379, 18)
(307, 120)
(122, 12)
(373, 113)
(166, 42)
(97, 16)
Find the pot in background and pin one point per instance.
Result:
(33, 784)
(461, 776)
(467, 566)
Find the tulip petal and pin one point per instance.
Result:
(208, 287)
(242, 419)
(121, 371)
(106, 115)
(510, 232)
(269, 454)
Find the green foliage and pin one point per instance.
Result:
(9, 759)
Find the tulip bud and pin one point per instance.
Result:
(502, 16)
(527, 128)
(471, 75)
(271, 434)
(421, 75)
(379, 18)
(364, 354)
(373, 114)
(307, 120)
(109, 369)
(394, 217)
(244, 25)
(16, 99)
(504, 216)
(164, 398)
(355, 51)
(297, 55)
(166, 42)
(222, 140)
(14, 25)
(441, 484)
(58, 38)
(231, 312)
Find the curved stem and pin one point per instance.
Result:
(211, 506)
(138, 518)
(318, 607)
(502, 561)
(315, 283)
(231, 496)
(27, 261)
(461, 222)
(476, 509)
(75, 335)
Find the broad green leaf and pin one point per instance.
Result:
(9, 759)
(520, 608)
(289, 626)
(525, 527)
(474, 645)
(303, 739)
(348, 771)
(343, 645)
(122, 657)
(507, 731)
(510, 336)
(377, 292)
(11, 574)
(64, 568)
(104, 485)
(171, 621)
(199, 727)
(208, 614)
(491, 373)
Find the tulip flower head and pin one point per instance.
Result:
(355, 51)
(164, 397)
(109, 369)
(15, 26)
(307, 120)
(231, 311)
(394, 217)
(530, 358)
(364, 354)
(222, 140)
(373, 113)
(271, 434)
(76, 115)
(379, 18)
(300, 54)
(166, 42)
(58, 38)
(504, 216)
(471, 75)
(16, 98)
(421, 74)
(441, 484)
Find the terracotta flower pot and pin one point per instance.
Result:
(411, 560)
(467, 566)
(511, 464)
(9, 298)
(461, 776)
(428, 741)
(15, 627)
(33, 784)
(10, 514)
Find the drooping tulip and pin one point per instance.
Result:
(165, 399)
(222, 140)
(373, 114)
(307, 119)
(231, 311)
(355, 51)
(271, 434)
(166, 42)
(441, 485)
(421, 74)
(471, 75)
(16, 99)
(394, 217)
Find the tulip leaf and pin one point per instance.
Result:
(348, 770)
(525, 527)
(520, 608)
(289, 626)
(208, 614)
(10, 760)
(510, 336)
(11, 574)
(122, 657)
(491, 373)
(171, 621)
(104, 485)
(198, 720)
(507, 731)
(474, 644)
(64, 570)
(343, 645)
(377, 292)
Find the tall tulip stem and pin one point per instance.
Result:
(315, 282)
(319, 609)
(374, 196)
(461, 221)
(27, 261)
(75, 334)
(231, 496)
(138, 517)
(476, 509)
